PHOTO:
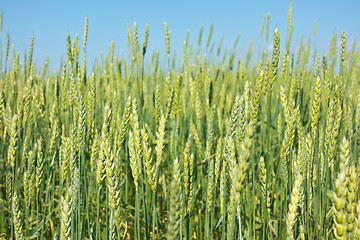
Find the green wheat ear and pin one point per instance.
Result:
(150, 167)
(17, 217)
(351, 199)
(66, 216)
(167, 39)
(296, 196)
(174, 214)
(1, 21)
(339, 196)
(39, 164)
(343, 46)
(134, 161)
(13, 142)
(262, 25)
(257, 96)
(290, 26)
(146, 39)
(275, 57)
(7, 47)
(136, 42)
(267, 27)
(104, 146)
(315, 111)
(160, 135)
(209, 37)
(85, 32)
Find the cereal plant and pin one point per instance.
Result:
(209, 147)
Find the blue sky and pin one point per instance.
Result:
(49, 21)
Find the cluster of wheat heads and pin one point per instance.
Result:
(213, 148)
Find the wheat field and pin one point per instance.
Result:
(219, 146)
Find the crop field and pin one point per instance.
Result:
(205, 144)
